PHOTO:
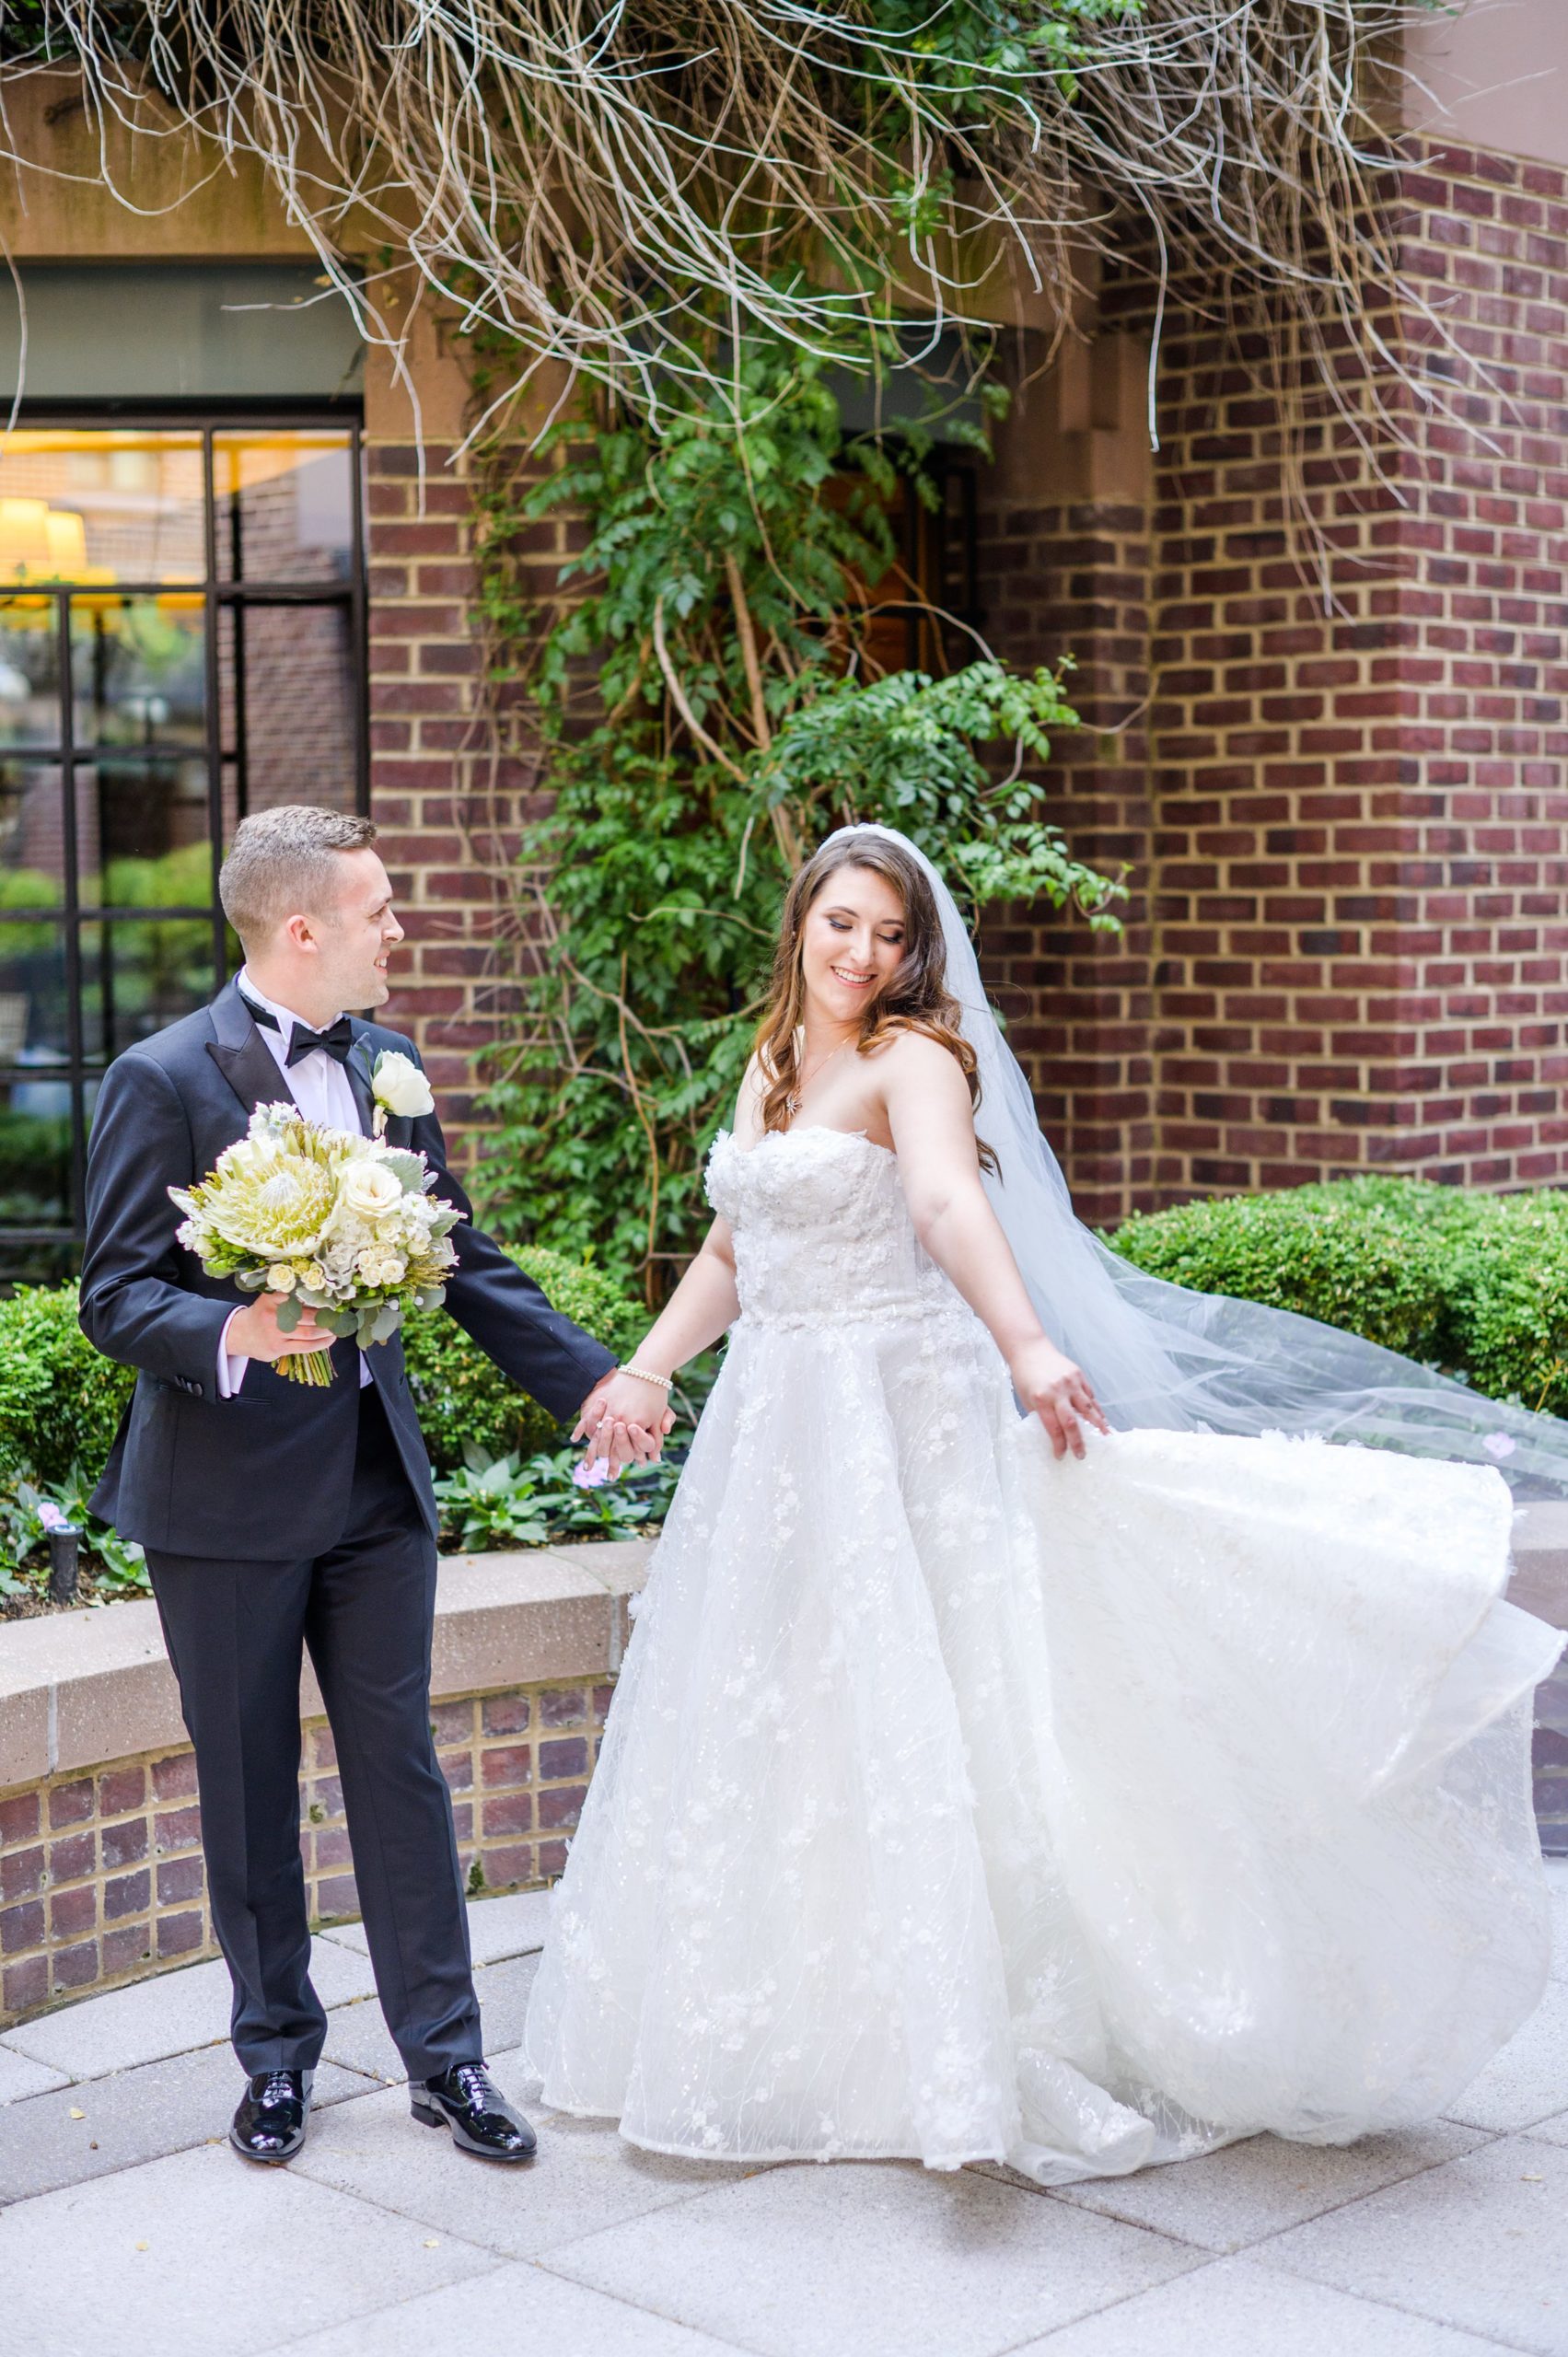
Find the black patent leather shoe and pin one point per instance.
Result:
(270, 2124)
(467, 2100)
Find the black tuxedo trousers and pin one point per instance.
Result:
(235, 1632)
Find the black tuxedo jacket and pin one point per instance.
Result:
(266, 1474)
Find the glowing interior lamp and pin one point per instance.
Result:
(43, 543)
(25, 551)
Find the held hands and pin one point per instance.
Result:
(623, 1421)
(254, 1331)
(1059, 1393)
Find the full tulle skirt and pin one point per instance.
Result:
(959, 1803)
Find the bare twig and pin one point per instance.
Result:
(600, 182)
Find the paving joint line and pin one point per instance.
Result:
(637, 2307)
(389, 2308)
(662, 2315)
(1488, 2336)
(1118, 2300)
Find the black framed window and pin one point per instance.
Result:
(181, 640)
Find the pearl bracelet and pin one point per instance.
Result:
(644, 1374)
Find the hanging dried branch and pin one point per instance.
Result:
(603, 181)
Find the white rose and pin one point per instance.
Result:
(280, 1277)
(392, 1270)
(316, 1277)
(400, 1086)
(370, 1188)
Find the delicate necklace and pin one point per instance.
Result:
(792, 1102)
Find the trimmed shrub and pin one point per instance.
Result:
(1344, 1254)
(60, 1400)
(1476, 1284)
(464, 1400)
(1508, 1274)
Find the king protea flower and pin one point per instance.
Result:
(333, 1221)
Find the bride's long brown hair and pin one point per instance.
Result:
(914, 998)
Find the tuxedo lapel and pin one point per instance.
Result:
(242, 1055)
(358, 1069)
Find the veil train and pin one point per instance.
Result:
(1161, 1355)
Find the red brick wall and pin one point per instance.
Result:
(450, 781)
(429, 758)
(101, 1876)
(1080, 1006)
(1348, 825)
(1346, 947)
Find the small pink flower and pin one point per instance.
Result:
(1500, 1443)
(49, 1515)
(586, 1475)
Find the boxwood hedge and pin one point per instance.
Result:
(60, 1402)
(1474, 1283)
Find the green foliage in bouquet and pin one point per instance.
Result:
(341, 1223)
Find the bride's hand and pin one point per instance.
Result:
(623, 1421)
(1059, 1393)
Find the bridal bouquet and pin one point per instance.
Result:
(344, 1224)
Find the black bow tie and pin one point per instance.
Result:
(335, 1040)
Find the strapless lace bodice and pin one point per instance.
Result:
(822, 1233)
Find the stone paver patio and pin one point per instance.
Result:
(129, 2225)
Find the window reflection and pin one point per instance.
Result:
(34, 1028)
(138, 975)
(284, 506)
(35, 1159)
(99, 506)
(277, 663)
(29, 671)
(138, 673)
(32, 836)
(114, 644)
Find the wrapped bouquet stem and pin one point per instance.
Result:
(343, 1225)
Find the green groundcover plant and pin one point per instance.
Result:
(60, 1401)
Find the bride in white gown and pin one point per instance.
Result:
(982, 1786)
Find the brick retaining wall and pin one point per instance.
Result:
(101, 1875)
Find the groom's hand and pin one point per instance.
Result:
(254, 1332)
(625, 1421)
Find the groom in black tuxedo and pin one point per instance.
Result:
(276, 1517)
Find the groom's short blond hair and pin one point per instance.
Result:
(283, 862)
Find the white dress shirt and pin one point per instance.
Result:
(320, 1088)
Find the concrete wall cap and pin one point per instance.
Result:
(80, 1688)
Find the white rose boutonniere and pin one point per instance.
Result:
(399, 1087)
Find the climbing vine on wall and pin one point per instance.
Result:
(708, 706)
